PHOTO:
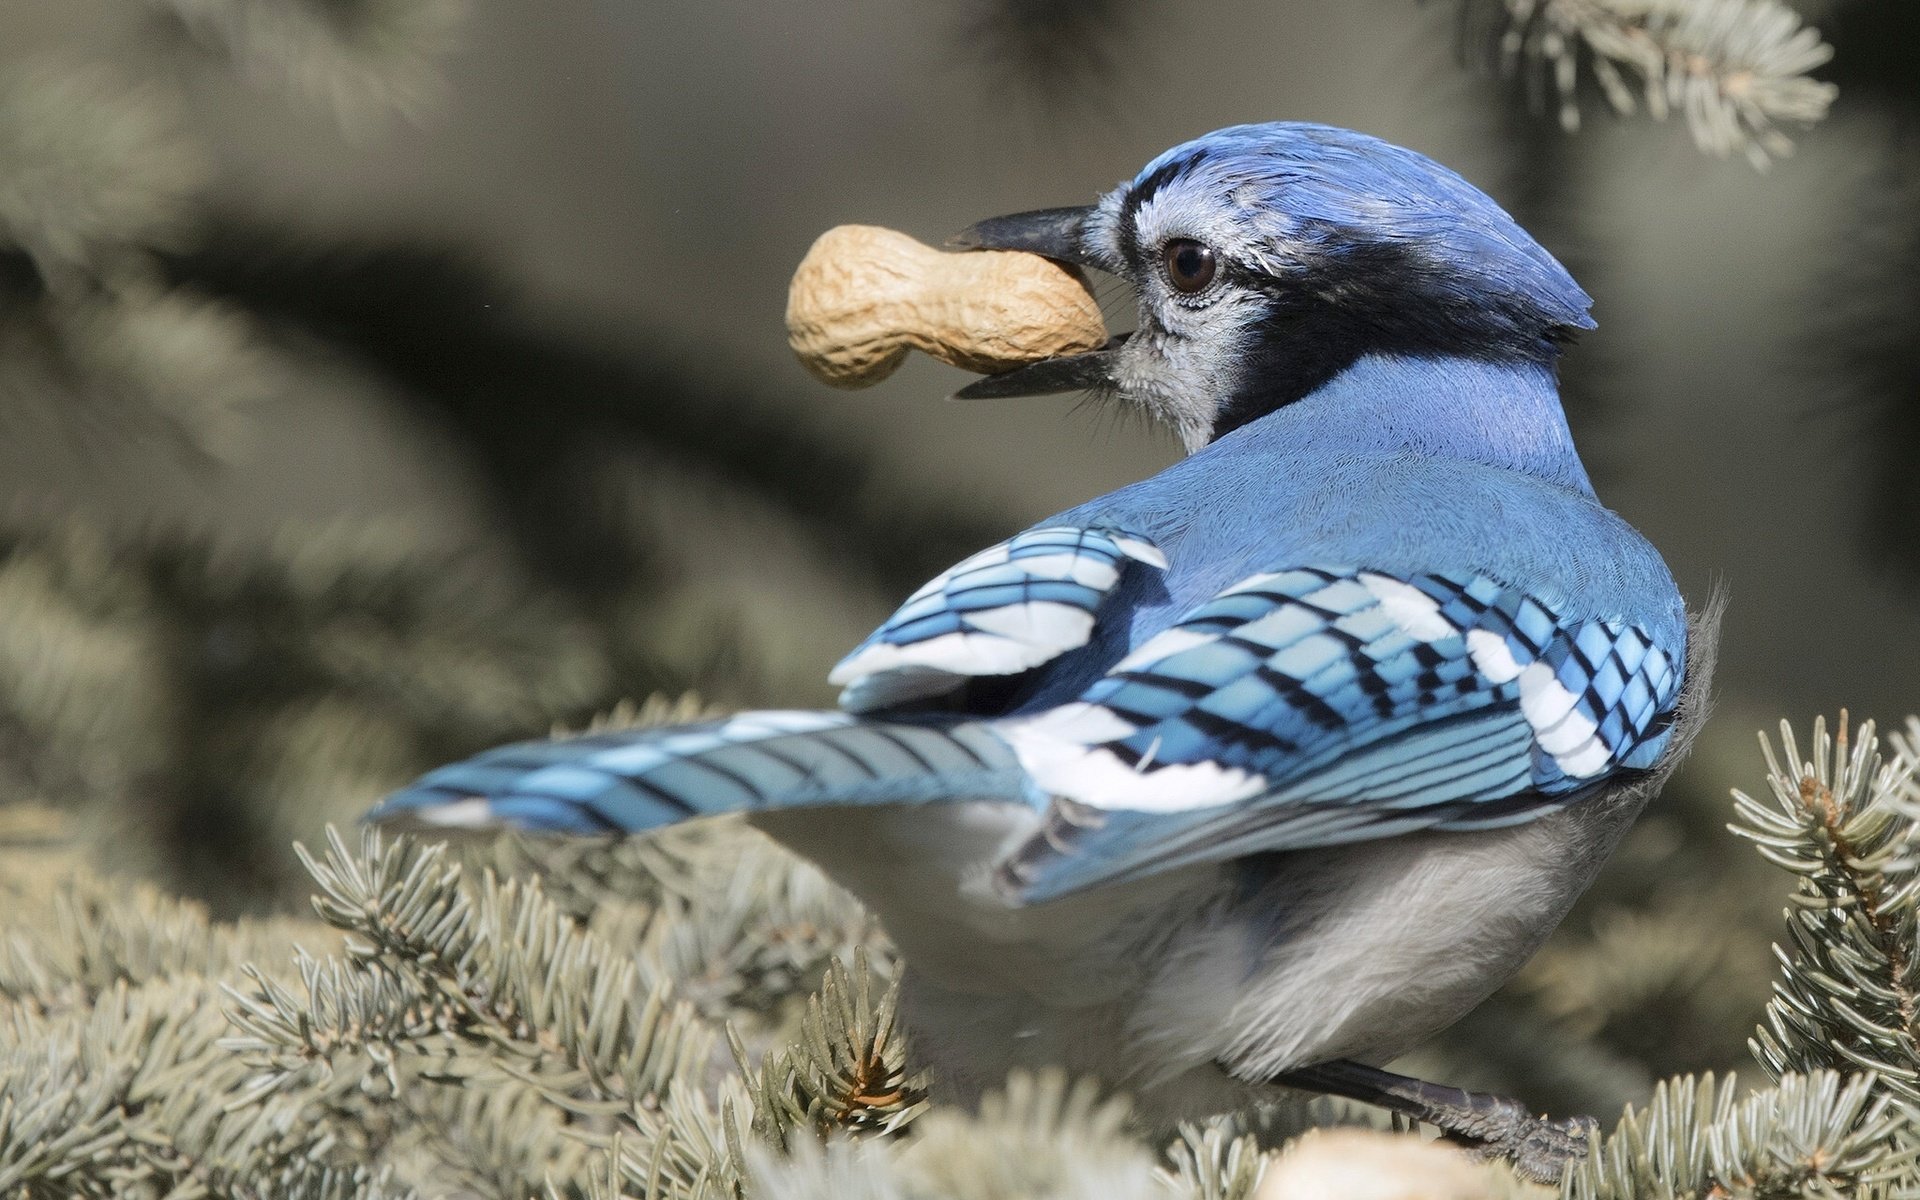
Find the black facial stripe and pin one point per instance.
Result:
(1144, 191)
(1365, 297)
(1237, 274)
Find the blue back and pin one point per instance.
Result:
(1405, 466)
(1380, 597)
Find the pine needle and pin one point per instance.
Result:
(1735, 70)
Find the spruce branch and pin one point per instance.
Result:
(1823, 1135)
(1846, 823)
(747, 925)
(76, 935)
(498, 967)
(361, 58)
(848, 1073)
(838, 1170)
(1213, 1161)
(133, 1096)
(495, 1136)
(100, 170)
(1207, 1164)
(1736, 70)
(1041, 1136)
(692, 1146)
(742, 927)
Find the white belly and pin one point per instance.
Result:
(991, 986)
(1349, 952)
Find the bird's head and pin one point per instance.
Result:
(1268, 258)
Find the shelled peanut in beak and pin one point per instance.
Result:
(863, 296)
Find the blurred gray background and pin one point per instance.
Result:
(595, 206)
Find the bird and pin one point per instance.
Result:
(1258, 772)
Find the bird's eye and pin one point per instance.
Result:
(1190, 265)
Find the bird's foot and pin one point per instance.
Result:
(1539, 1148)
(1492, 1126)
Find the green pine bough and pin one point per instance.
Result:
(700, 1016)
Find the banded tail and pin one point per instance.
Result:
(635, 780)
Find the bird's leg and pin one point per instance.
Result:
(1494, 1125)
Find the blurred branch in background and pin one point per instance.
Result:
(190, 706)
(366, 61)
(206, 702)
(1869, 338)
(99, 173)
(533, 410)
(1064, 53)
(202, 710)
(1736, 70)
(1866, 341)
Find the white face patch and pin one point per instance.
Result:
(1187, 356)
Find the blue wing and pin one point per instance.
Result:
(1007, 609)
(1324, 705)
(631, 780)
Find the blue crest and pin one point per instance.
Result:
(1318, 195)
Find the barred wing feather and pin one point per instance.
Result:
(1007, 609)
(1324, 705)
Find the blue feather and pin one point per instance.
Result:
(636, 780)
(1371, 395)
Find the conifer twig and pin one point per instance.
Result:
(847, 1073)
(1737, 70)
(1818, 1135)
(1846, 823)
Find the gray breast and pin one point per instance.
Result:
(1363, 951)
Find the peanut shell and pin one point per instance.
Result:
(863, 296)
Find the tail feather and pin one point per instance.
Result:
(643, 779)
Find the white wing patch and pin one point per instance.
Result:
(1163, 644)
(1558, 727)
(1571, 737)
(1230, 703)
(1000, 643)
(1002, 611)
(1491, 657)
(1141, 550)
(1064, 751)
(474, 812)
(1412, 609)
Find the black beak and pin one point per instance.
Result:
(1049, 232)
(1056, 233)
(1073, 373)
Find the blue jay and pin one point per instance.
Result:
(1262, 770)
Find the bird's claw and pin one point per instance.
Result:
(1539, 1148)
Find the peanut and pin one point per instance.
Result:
(863, 296)
(1354, 1164)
